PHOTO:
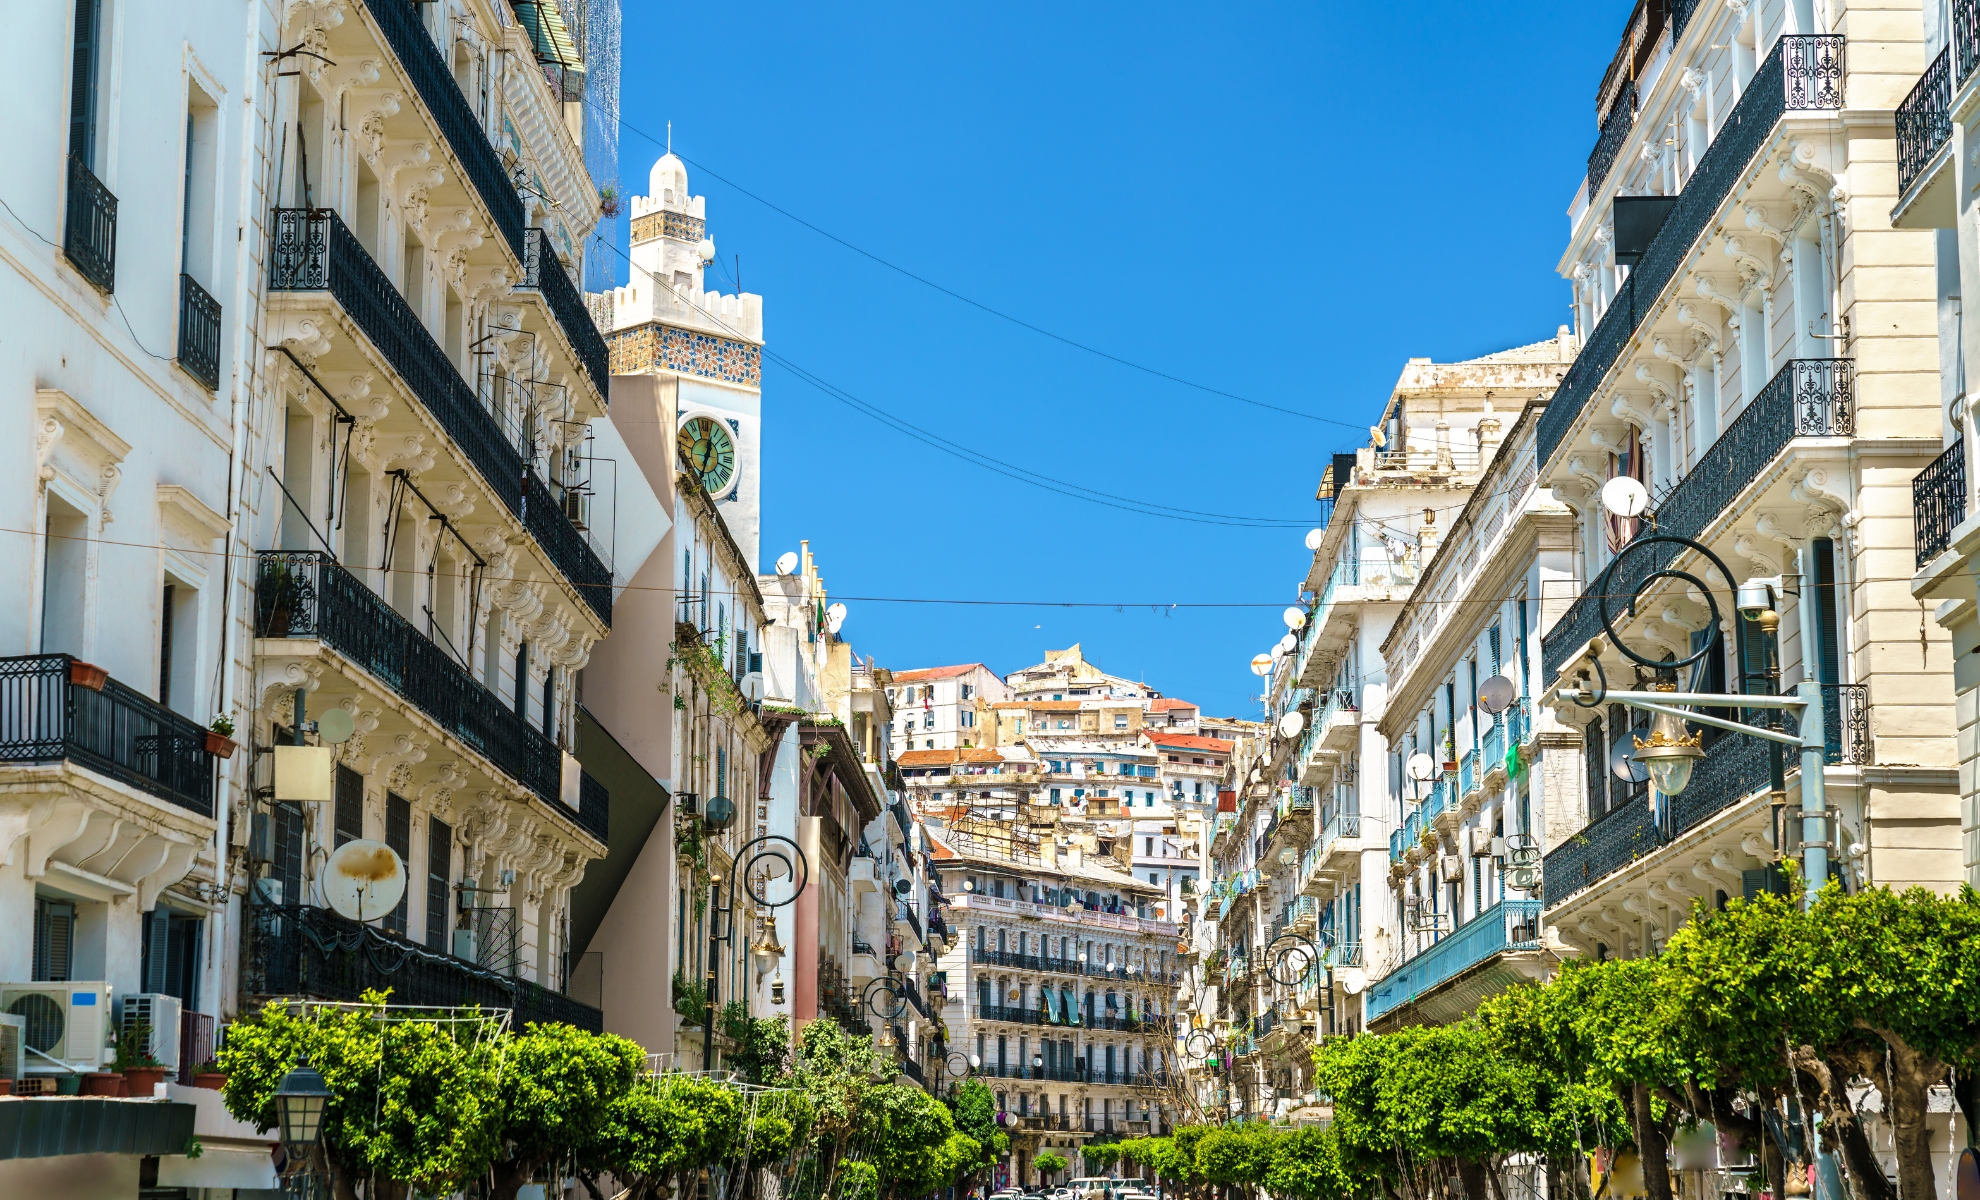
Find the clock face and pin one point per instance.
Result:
(710, 451)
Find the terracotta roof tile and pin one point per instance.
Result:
(1183, 741)
(1168, 704)
(925, 674)
(927, 758)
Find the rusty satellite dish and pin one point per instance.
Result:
(364, 880)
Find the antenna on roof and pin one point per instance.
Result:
(670, 137)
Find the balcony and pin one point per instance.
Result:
(306, 594)
(1615, 131)
(544, 275)
(89, 229)
(1809, 397)
(199, 333)
(50, 712)
(448, 111)
(1938, 502)
(314, 252)
(1801, 73)
(1924, 130)
(1507, 927)
(1926, 197)
(296, 950)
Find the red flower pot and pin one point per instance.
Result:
(220, 745)
(212, 1081)
(102, 1083)
(141, 1082)
(87, 675)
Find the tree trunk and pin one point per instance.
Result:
(1966, 1093)
(1652, 1143)
(1911, 1075)
(1471, 1173)
(506, 1178)
(1842, 1128)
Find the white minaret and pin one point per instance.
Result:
(667, 319)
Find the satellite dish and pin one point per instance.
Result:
(364, 880)
(835, 618)
(787, 562)
(720, 812)
(1292, 723)
(1261, 664)
(1495, 695)
(1278, 651)
(1623, 765)
(1422, 768)
(1295, 617)
(1354, 980)
(1288, 643)
(1314, 537)
(334, 727)
(752, 687)
(1625, 497)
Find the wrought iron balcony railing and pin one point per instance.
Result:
(594, 807)
(1809, 397)
(199, 333)
(1508, 925)
(1924, 120)
(305, 594)
(1938, 502)
(1734, 767)
(52, 712)
(315, 251)
(434, 84)
(89, 231)
(296, 950)
(544, 274)
(1615, 131)
(1801, 73)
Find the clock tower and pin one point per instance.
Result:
(667, 320)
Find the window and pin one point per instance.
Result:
(439, 859)
(968, 719)
(348, 819)
(1120, 721)
(522, 680)
(928, 721)
(967, 691)
(54, 938)
(85, 51)
(398, 836)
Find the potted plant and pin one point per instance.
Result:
(142, 1073)
(208, 1075)
(87, 675)
(220, 737)
(102, 1083)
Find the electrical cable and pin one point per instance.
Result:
(976, 458)
(979, 305)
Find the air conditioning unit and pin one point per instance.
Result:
(65, 1026)
(1453, 867)
(13, 1051)
(159, 1013)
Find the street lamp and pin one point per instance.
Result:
(300, 1100)
(768, 848)
(1671, 751)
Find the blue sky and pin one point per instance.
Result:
(1283, 202)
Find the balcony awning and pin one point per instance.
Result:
(554, 36)
(51, 1127)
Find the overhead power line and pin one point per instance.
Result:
(982, 307)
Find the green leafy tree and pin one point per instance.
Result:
(976, 1118)
(1306, 1165)
(558, 1087)
(1049, 1163)
(1237, 1158)
(661, 1133)
(761, 1043)
(414, 1102)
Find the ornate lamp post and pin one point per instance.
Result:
(770, 848)
(300, 1101)
(1670, 752)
